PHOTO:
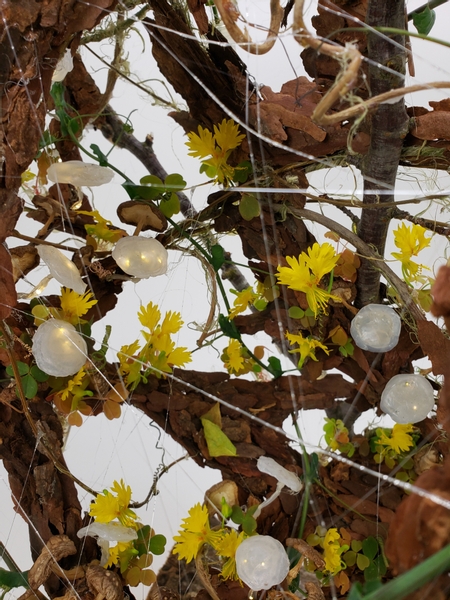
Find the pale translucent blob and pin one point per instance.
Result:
(140, 256)
(261, 562)
(64, 66)
(267, 465)
(79, 173)
(376, 328)
(58, 348)
(407, 398)
(110, 532)
(61, 268)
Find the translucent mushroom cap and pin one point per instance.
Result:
(140, 256)
(376, 328)
(271, 467)
(58, 348)
(79, 173)
(261, 562)
(61, 268)
(407, 398)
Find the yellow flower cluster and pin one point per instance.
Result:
(305, 273)
(73, 307)
(237, 360)
(133, 557)
(214, 150)
(410, 240)
(196, 532)
(159, 350)
(333, 546)
(306, 347)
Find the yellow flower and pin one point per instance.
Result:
(73, 383)
(399, 440)
(235, 360)
(149, 316)
(195, 531)
(172, 323)
(243, 299)
(74, 306)
(108, 507)
(226, 548)
(410, 240)
(332, 551)
(304, 274)
(101, 229)
(307, 347)
(215, 150)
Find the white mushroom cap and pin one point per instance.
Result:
(79, 173)
(61, 268)
(271, 467)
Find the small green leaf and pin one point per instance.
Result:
(275, 367)
(249, 207)
(356, 592)
(229, 328)
(370, 547)
(46, 140)
(23, 369)
(218, 443)
(174, 182)
(349, 558)
(225, 509)
(249, 524)
(170, 206)
(362, 562)
(39, 375)
(30, 387)
(295, 312)
(242, 171)
(102, 158)
(424, 20)
(237, 515)
(140, 191)
(157, 544)
(260, 304)
(153, 181)
(217, 257)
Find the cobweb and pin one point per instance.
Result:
(132, 447)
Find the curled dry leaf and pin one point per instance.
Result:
(432, 126)
(103, 583)
(24, 259)
(57, 547)
(307, 551)
(314, 591)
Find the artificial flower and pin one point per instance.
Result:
(226, 548)
(74, 306)
(307, 347)
(399, 439)
(195, 532)
(410, 240)
(242, 301)
(107, 506)
(332, 551)
(304, 274)
(233, 359)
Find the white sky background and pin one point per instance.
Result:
(101, 451)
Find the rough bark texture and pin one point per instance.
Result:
(388, 128)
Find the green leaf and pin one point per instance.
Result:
(37, 374)
(424, 20)
(356, 592)
(349, 558)
(174, 182)
(23, 369)
(153, 181)
(260, 304)
(140, 191)
(370, 547)
(170, 206)
(102, 158)
(30, 387)
(46, 140)
(362, 562)
(142, 544)
(218, 443)
(12, 579)
(157, 544)
(275, 367)
(249, 207)
(295, 312)
(229, 328)
(237, 515)
(249, 525)
(217, 257)
(242, 171)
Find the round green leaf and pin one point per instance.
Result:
(362, 562)
(171, 206)
(157, 544)
(295, 312)
(39, 375)
(370, 547)
(30, 387)
(356, 545)
(349, 558)
(249, 207)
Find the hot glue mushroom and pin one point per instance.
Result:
(142, 216)
(284, 477)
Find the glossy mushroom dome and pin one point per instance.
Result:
(407, 398)
(58, 348)
(261, 562)
(376, 328)
(140, 256)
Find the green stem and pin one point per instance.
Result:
(394, 31)
(308, 481)
(232, 262)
